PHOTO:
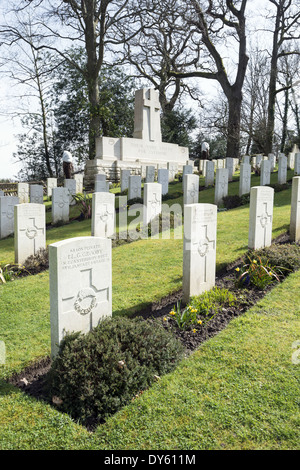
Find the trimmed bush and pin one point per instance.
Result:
(96, 374)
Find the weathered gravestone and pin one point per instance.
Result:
(295, 210)
(229, 164)
(152, 201)
(101, 186)
(124, 179)
(221, 185)
(80, 274)
(209, 173)
(23, 193)
(30, 230)
(191, 189)
(7, 204)
(265, 172)
(163, 179)
(173, 170)
(51, 183)
(245, 179)
(260, 217)
(150, 174)
(60, 205)
(134, 187)
(187, 170)
(199, 249)
(272, 160)
(70, 185)
(1, 193)
(79, 183)
(282, 169)
(36, 194)
(291, 161)
(103, 214)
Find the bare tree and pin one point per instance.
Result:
(217, 24)
(95, 23)
(162, 45)
(285, 33)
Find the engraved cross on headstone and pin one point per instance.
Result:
(155, 205)
(265, 219)
(202, 247)
(154, 107)
(104, 215)
(85, 302)
(31, 231)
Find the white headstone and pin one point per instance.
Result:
(79, 183)
(187, 170)
(229, 164)
(124, 179)
(163, 179)
(272, 160)
(209, 173)
(80, 273)
(245, 179)
(260, 217)
(101, 186)
(70, 184)
(150, 174)
(134, 187)
(297, 164)
(265, 172)
(259, 159)
(295, 210)
(282, 169)
(246, 159)
(204, 167)
(100, 177)
(103, 214)
(23, 192)
(173, 170)
(36, 194)
(152, 201)
(51, 183)
(191, 189)
(30, 230)
(60, 205)
(199, 249)
(1, 193)
(7, 204)
(291, 161)
(221, 185)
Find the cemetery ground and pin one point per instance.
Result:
(238, 390)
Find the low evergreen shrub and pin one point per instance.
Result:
(96, 374)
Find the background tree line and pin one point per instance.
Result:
(81, 61)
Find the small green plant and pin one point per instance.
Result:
(8, 272)
(202, 308)
(184, 317)
(257, 273)
(85, 203)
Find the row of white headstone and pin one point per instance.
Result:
(81, 268)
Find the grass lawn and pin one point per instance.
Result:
(239, 390)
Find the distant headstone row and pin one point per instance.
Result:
(80, 268)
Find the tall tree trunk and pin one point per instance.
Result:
(234, 125)
(284, 124)
(272, 85)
